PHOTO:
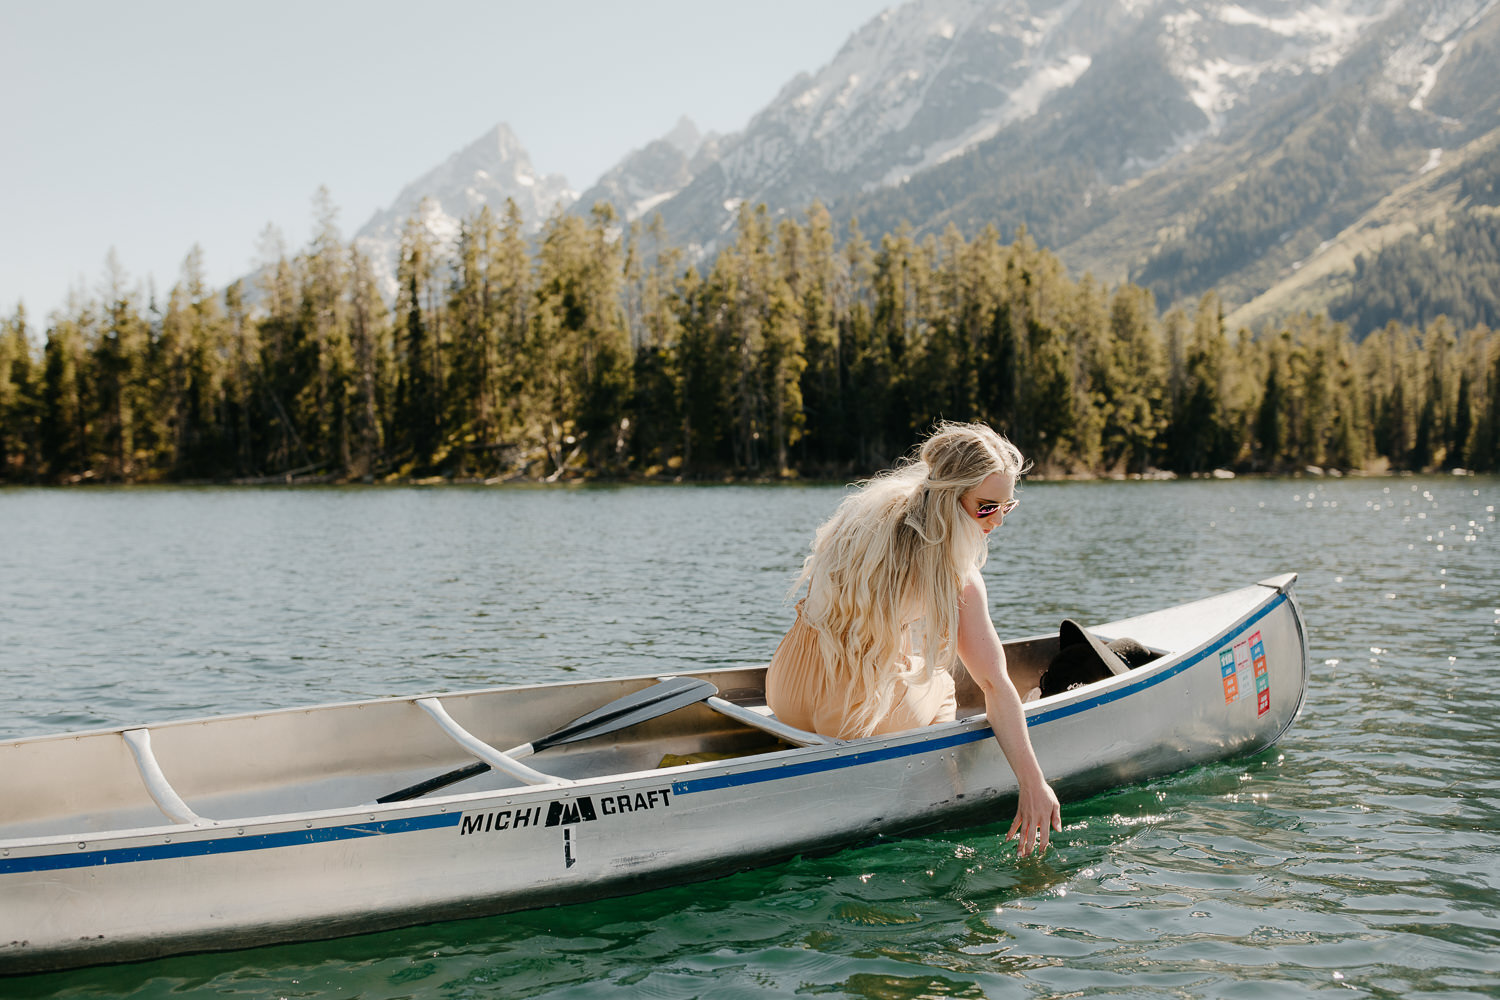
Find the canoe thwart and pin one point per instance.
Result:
(162, 792)
(497, 759)
(639, 706)
(768, 724)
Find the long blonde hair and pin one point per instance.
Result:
(897, 548)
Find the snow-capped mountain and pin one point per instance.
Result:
(931, 80)
(649, 176)
(1186, 144)
(486, 172)
(496, 166)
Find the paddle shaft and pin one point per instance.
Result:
(634, 708)
(452, 777)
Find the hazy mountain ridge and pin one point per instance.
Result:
(486, 172)
(650, 175)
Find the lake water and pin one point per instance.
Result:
(1361, 854)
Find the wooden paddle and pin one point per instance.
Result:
(634, 708)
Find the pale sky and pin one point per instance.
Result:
(147, 126)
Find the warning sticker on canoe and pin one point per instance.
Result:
(1246, 658)
(1231, 682)
(1262, 675)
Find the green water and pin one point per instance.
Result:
(1361, 855)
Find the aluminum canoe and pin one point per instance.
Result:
(141, 841)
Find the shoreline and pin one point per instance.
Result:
(1310, 473)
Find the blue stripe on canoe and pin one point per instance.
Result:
(973, 736)
(225, 845)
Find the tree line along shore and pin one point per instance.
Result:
(595, 350)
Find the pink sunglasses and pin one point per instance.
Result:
(985, 510)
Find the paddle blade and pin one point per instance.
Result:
(648, 703)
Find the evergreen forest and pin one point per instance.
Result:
(595, 349)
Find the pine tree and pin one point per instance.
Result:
(757, 323)
(284, 373)
(1048, 394)
(514, 282)
(1270, 420)
(1484, 453)
(1201, 437)
(656, 403)
(418, 409)
(902, 284)
(369, 336)
(193, 350)
(1387, 360)
(19, 442)
(65, 453)
(325, 398)
(580, 357)
(783, 362)
(814, 278)
(1093, 348)
(864, 376)
(1134, 386)
(131, 435)
(704, 374)
(474, 304)
(245, 417)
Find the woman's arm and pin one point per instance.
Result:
(1037, 810)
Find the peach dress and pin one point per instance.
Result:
(792, 685)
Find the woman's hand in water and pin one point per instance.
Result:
(1037, 815)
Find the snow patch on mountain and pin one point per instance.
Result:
(1222, 52)
(916, 86)
(1023, 102)
(1415, 64)
(1323, 32)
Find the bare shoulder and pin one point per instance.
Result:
(973, 584)
(972, 592)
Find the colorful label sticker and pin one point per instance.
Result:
(1262, 675)
(1231, 682)
(1246, 655)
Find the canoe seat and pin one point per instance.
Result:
(761, 717)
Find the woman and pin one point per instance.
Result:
(895, 597)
